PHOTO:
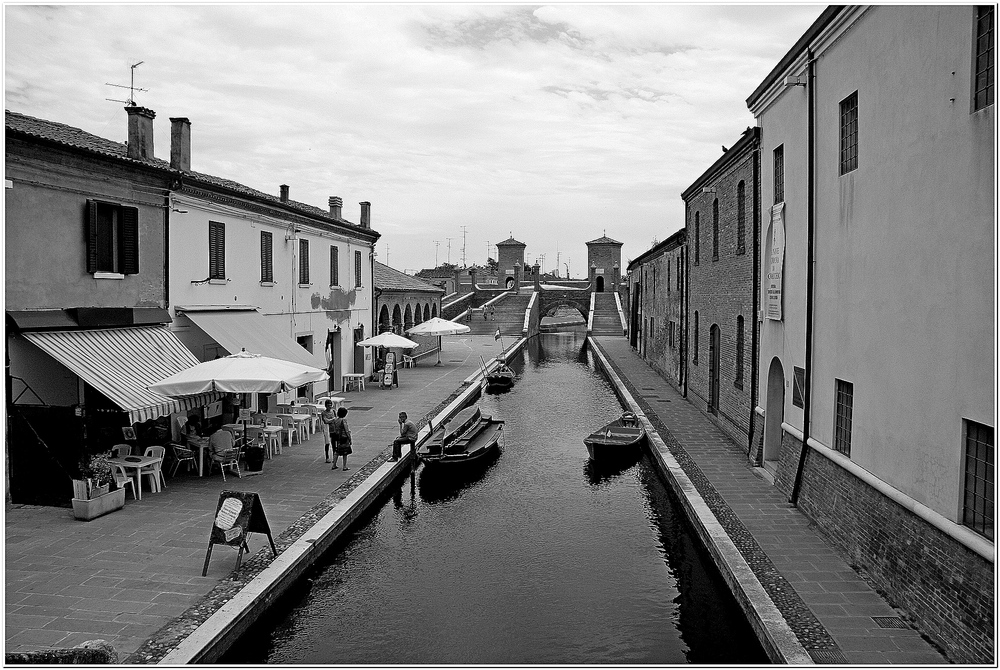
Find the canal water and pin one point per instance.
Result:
(538, 558)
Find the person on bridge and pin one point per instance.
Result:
(407, 435)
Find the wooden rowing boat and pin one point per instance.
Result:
(621, 437)
(467, 438)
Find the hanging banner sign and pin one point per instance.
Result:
(776, 259)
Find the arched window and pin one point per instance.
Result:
(383, 320)
(697, 245)
(741, 218)
(694, 358)
(397, 320)
(715, 229)
(427, 312)
(434, 310)
(738, 382)
(407, 318)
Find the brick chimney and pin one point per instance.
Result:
(180, 144)
(336, 204)
(140, 131)
(366, 214)
(284, 192)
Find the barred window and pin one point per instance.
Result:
(303, 261)
(983, 70)
(844, 410)
(741, 218)
(216, 250)
(798, 386)
(849, 133)
(715, 229)
(694, 358)
(977, 506)
(266, 256)
(738, 382)
(334, 266)
(697, 231)
(779, 174)
(357, 268)
(668, 275)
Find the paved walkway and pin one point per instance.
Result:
(832, 611)
(125, 575)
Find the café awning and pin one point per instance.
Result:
(249, 329)
(121, 362)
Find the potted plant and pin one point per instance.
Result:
(92, 493)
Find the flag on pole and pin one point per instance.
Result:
(496, 336)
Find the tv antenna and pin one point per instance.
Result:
(464, 231)
(131, 87)
(437, 243)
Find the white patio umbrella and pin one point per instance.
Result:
(438, 326)
(389, 341)
(239, 373)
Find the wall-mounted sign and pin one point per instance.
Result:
(775, 265)
(239, 514)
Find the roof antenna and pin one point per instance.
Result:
(131, 88)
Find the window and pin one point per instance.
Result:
(670, 334)
(715, 229)
(112, 238)
(679, 261)
(697, 249)
(798, 386)
(266, 256)
(738, 382)
(668, 275)
(779, 174)
(849, 133)
(334, 265)
(844, 409)
(303, 261)
(305, 341)
(741, 218)
(694, 358)
(357, 268)
(977, 506)
(982, 85)
(216, 250)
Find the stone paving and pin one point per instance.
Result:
(125, 576)
(830, 607)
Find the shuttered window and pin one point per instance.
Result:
(697, 237)
(741, 218)
(738, 381)
(715, 229)
(303, 261)
(357, 268)
(216, 250)
(334, 266)
(112, 238)
(266, 256)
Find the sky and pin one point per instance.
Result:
(462, 124)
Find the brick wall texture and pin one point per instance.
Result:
(660, 313)
(721, 290)
(605, 255)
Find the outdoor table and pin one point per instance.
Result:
(269, 433)
(299, 420)
(235, 428)
(201, 444)
(356, 378)
(337, 402)
(137, 463)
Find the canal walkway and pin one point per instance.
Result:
(133, 578)
(833, 613)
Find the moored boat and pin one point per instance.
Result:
(467, 438)
(499, 378)
(621, 437)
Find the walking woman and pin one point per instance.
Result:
(340, 435)
(325, 417)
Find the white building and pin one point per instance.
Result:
(882, 360)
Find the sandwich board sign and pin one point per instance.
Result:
(389, 370)
(239, 513)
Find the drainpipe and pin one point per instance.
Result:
(754, 333)
(810, 262)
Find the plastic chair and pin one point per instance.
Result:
(290, 428)
(182, 455)
(154, 471)
(226, 458)
(121, 450)
(407, 361)
(122, 479)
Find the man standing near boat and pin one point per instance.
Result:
(407, 435)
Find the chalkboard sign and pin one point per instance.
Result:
(239, 514)
(389, 370)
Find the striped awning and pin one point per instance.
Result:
(122, 362)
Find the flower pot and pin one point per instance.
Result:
(85, 489)
(86, 510)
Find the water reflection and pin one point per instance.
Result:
(607, 470)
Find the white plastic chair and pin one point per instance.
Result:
(288, 423)
(122, 479)
(226, 458)
(121, 450)
(155, 471)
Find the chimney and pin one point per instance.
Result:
(140, 131)
(180, 144)
(366, 214)
(284, 192)
(335, 206)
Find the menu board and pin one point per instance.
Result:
(239, 513)
(389, 370)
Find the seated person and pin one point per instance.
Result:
(221, 441)
(407, 435)
(191, 430)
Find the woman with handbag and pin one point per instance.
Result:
(340, 435)
(326, 417)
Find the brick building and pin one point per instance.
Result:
(604, 261)
(656, 281)
(510, 262)
(877, 347)
(721, 214)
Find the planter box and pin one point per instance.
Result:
(86, 510)
(84, 489)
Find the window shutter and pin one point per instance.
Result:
(266, 257)
(130, 241)
(303, 261)
(334, 266)
(90, 231)
(357, 268)
(216, 250)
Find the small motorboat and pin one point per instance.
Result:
(499, 378)
(622, 437)
(467, 438)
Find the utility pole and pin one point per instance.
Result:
(557, 260)
(487, 251)
(449, 249)
(541, 261)
(437, 243)
(386, 253)
(465, 229)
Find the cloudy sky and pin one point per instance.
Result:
(552, 123)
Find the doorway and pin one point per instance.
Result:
(600, 283)
(335, 360)
(713, 369)
(359, 352)
(774, 415)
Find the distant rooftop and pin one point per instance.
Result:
(389, 279)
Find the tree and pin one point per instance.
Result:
(491, 265)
